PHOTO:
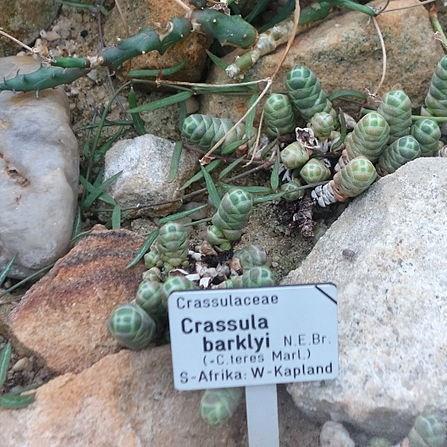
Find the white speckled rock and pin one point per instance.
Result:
(39, 170)
(392, 303)
(144, 165)
(334, 434)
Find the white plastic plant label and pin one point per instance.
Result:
(248, 337)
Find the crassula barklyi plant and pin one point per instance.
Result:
(230, 219)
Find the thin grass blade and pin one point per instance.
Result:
(5, 358)
(231, 167)
(274, 178)
(94, 192)
(196, 177)
(181, 215)
(175, 161)
(6, 270)
(217, 61)
(138, 123)
(268, 198)
(213, 194)
(144, 248)
(337, 94)
(116, 217)
(164, 102)
(141, 74)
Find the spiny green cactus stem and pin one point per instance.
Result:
(368, 138)
(175, 284)
(306, 93)
(315, 171)
(278, 115)
(357, 176)
(230, 219)
(228, 30)
(428, 135)
(292, 190)
(397, 154)
(251, 256)
(219, 405)
(396, 109)
(323, 124)
(276, 36)
(295, 155)
(170, 250)
(205, 131)
(41, 79)
(131, 326)
(436, 99)
(379, 442)
(149, 298)
(427, 431)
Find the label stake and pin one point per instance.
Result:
(262, 416)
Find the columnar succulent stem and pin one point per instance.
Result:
(350, 181)
(278, 115)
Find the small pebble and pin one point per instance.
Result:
(334, 434)
(23, 364)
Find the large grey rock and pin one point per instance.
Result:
(39, 173)
(144, 164)
(387, 255)
(24, 19)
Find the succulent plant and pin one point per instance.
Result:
(170, 249)
(436, 99)
(379, 442)
(292, 190)
(218, 405)
(427, 431)
(350, 181)
(323, 124)
(368, 139)
(230, 218)
(397, 154)
(278, 115)
(251, 256)
(294, 156)
(315, 171)
(131, 326)
(396, 109)
(260, 276)
(228, 30)
(306, 93)
(428, 135)
(149, 298)
(175, 284)
(205, 131)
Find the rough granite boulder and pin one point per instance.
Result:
(62, 318)
(24, 19)
(144, 163)
(39, 174)
(387, 256)
(138, 14)
(345, 53)
(128, 400)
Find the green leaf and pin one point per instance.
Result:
(274, 178)
(136, 118)
(6, 270)
(259, 7)
(77, 225)
(251, 189)
(157, 72)
(336, 94)
(28, 279)
(95, 192)
(180, 215)
(116, 217)
(183, 111)
(175, 161)
(5, 358)
(144, 248)
(230, 148)
(233, 165)
(213, 194)
(268, 198)
(15, 401)
(164, 102)
(220, 63)
(249, 121)
(196, 177)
